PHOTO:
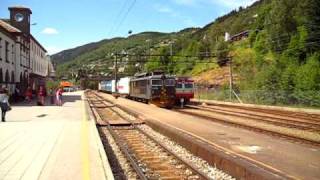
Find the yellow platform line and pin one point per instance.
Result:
(85, 144)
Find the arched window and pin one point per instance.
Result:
(12, 77)
(1, 76)
(25, 76)
(21, 78)
(7, 77)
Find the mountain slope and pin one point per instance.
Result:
(279, 63)
(143, 42)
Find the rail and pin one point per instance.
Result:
(126, 152)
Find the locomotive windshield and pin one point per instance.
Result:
(156, 82)
(188, 85)
(169, 82)
(178, 85)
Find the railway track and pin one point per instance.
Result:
(264, 117)
(304, 117)
(149, 158)
(293, 129)
(313, 119)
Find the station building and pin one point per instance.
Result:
(23, 60)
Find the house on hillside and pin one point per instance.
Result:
(237, 37)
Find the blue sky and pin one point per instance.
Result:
(64, 24)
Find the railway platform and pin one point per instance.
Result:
(52, 142)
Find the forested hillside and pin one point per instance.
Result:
(278, 64)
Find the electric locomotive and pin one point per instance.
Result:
(155, 87)
(184, 90)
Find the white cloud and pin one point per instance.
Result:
(225, 3)
(49, 31)
(233, 3)
(53, 49)
(166, 10)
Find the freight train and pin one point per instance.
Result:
(155, 87)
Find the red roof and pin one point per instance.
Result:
(66, 84)
(8, 27)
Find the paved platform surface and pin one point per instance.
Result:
(299, 161)
(51, 142)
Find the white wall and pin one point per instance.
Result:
(9, 65)
(39, 61)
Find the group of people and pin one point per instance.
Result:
(55, 98)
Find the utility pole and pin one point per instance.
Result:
(230, 79)
(171, 49)
(116, 72)
(149, 45)
(171, 54)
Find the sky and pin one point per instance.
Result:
(64, 24)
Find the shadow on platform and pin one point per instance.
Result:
(65, 99)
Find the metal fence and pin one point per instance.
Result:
(302, 99)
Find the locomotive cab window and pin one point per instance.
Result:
(156, 82)
(179, 86)
(169, 82)
(188, 86)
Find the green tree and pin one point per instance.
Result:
(222, 52)
(307, 80)
(280, 23)
(308, 15)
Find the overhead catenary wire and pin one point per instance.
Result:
(125, 15)
(117, 16)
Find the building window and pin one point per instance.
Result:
(7, 52)
(0, 49)
(1, 76)
(12, 77)
(12, 59)
(7, 77)
(21, 77)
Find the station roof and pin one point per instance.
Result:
(8, 27)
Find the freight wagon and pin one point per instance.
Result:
(107, 86)
(123, 86)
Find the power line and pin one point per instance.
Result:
(118, 15)
(125, 16)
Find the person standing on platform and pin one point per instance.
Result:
(28, 94)
(16, 94)
(59, 97)
(4, 103)
(51, 95)
(41, 95)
